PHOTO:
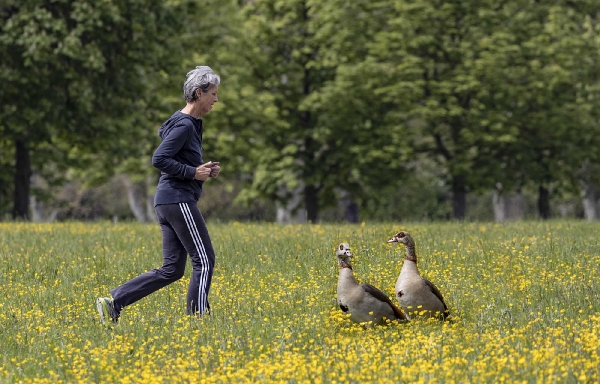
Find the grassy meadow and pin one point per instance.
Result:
(525, 298)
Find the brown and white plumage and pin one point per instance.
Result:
(416, 294)
(364, 302)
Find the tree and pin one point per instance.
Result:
(77, 73)
(367, 151)
(282, 53)
(436, 45)
(194, 39)
(493, 77)
(322, 135)
(545, 92)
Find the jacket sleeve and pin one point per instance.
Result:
(163, 157)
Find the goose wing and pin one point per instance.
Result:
(436, 292)
(376, 293)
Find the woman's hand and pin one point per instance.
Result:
(206, 170)
(203, 171)
(215, 169)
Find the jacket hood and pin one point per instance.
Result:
(172, 122)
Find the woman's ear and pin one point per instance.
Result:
(198, 93)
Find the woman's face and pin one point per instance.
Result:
(206, 100)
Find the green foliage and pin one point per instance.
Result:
(436, 47)
(321, 129)
(285, 62)
(326, 98)
(492, 92)
(546, 89)
(79, 78)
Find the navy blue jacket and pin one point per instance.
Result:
(177, 158)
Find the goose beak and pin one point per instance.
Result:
(393, 240)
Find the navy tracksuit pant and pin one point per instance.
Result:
(184, 233)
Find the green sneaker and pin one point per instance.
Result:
(106, 309)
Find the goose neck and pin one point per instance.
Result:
(347, 276)
(410, 253)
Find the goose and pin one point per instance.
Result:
(416, 294)
(363, 302)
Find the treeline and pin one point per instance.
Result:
(329, 109)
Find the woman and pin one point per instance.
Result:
(183, 171)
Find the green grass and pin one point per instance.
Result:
(525, 298)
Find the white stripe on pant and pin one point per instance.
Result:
(189, 220)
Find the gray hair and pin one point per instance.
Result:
(202, 77)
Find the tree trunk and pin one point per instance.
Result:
(137, 198)
(37, 208)
(311, 203)
(351, 210)
(21, 179)
(544, 203)
(499, 201)
(290, 212)
(516, 206)
(459, 199)
(284, 216)
(589, 196)
(3, 203)
(150, 213)
(508, 206)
